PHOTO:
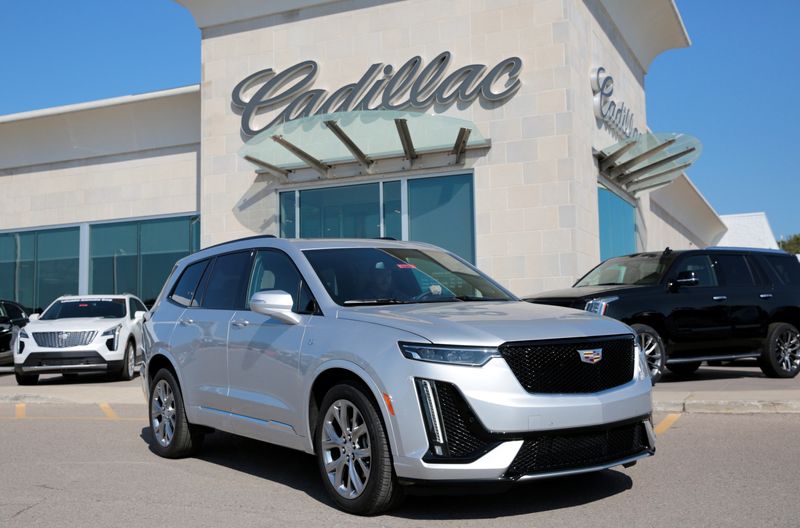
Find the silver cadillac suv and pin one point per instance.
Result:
(394, 363)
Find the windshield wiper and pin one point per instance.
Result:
(473, 298)
(353, 302)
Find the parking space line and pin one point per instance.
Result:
(109, 412)
(666, 423)
(19, 411)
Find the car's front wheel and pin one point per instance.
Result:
(654, 351)
(129, 362)
(353, 452)
(173, 436)
(780, 357)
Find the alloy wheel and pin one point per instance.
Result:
(652, 353)
(131, 354)
(346, 449)
(787, 348)
(163, 413)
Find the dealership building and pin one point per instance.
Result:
(513, 133)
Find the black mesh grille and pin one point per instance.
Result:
(460, 424)
(556, 366)
(562, 450)
(63, 359)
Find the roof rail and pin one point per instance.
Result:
(734, 248)
(254, 237)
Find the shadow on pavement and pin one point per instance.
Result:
(732, 370)
(80, 379)
(299, 471)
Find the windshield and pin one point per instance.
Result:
(106, 308)
(638, 270)
(356, 276)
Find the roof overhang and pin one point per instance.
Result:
(649, 27)
(686, 205)
(346, 144)
(208, 13)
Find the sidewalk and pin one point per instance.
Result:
(765, 401)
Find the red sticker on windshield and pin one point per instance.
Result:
(82, 305)
(406, 266)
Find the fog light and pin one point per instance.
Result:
(430, 407)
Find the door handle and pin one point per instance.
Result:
(186, 322)
(720, 298)
(766, 296)
(240, 323)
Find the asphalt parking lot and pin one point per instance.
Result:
(71, 462)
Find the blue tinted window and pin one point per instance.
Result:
(287, 213)
(617, 225)
(441, 211)
(351, 211)
(392, 214)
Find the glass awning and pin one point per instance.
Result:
(653, 160)
(323, 142)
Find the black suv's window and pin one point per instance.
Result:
(13, 310)
(274, 270)
(785, 267)
(227, 286)
(735, 270)
(184, 292)
(700, 267)
(640, 270)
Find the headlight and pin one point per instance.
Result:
(113, 336)
(471, 356)
(23, 334)
(644, 370)
(599, 305)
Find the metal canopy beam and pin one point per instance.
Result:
(609, 160)
(461, 143)
(405, 139)
(313, 162)
(619, 169)
(357, 153)
(277, 171)
(629, 177)
(656, 179)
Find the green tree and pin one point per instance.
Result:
(791, 244)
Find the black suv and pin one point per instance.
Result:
(11, 315)
(699, 305)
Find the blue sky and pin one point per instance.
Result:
(735, 88)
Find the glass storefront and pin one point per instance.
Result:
(123, 257)
(439, 210)
(617, 225)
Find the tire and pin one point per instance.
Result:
(780, 355)
(715, 363)
(380, 490)
(684, 369)
(167, 411)
(654, 350)
(128, 370)
(26, 379)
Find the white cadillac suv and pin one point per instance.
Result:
(91, 333)
(394, 363)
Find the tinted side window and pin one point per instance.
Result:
(274, 270)
(227, 286)
(786, 268)
(701, 267)
(735, 270)
(13, 311)
(186, 288)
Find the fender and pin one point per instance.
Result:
(377, 393)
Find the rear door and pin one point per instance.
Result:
(746, 306)
(264, 354)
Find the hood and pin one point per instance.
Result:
(75, 324)
(486, 323)
(585, 292)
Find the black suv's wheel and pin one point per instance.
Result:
(654, 350)
(173, 436)
(780, 356)
(353, 453)
(684, 369)
(26, 379)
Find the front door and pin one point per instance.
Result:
(264, 353)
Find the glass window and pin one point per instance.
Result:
(91, 308)
(13, 311)
(56, 263)
(398, 276)
(350, 211)
(163, 242)
(441, 212)
(274, 270)
(227, 285)
(700, 267)
(735, 270)
(114, 262)
(287, 212)
(645, 269)
(17, 267)
(617, 225)
(392, 214)
(786, 268)
(186, 288)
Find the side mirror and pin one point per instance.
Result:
(139, 315)
(685, 278)
(33, 317)
(276, 304)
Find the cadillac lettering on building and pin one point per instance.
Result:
(410, 87)
(617, 117)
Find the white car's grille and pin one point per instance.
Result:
(63, 339)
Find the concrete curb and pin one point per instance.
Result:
(728, 402)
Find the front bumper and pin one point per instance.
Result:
(30, 358)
